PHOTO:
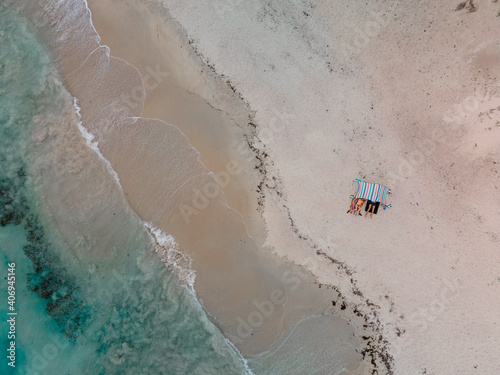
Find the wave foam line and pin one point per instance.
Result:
(181, 263)
(167, 242)
(243, 359)
(172, 256)
(89, 137)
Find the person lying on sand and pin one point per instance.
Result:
(370, 208)
(356, 205)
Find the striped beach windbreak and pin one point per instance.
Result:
(373, 192)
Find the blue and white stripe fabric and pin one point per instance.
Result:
(372, 192)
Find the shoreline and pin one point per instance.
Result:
(180, 89)
(376, 348)
(411, 273)
(91, 119)
(367, 325)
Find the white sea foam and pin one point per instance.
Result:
(243, 359)
(168, 248)
(89, 137)
(181, 264)
(172, 256)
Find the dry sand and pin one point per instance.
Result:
(403, 94)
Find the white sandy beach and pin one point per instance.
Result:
(286, 104)
(402, 94)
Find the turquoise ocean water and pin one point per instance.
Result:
(92, 296)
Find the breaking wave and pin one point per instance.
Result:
(170, 254)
